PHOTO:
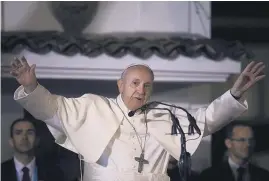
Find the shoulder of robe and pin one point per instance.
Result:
(85, 101)
(87, 98)
(83, 108)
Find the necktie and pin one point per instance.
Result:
(240, 173)
(26, 176)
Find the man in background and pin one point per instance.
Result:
(24, 166)
(240, 145)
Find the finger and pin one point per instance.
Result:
(256, 67)
(259, 71)
(32, 69)
(24, 61)
(17, 62)
(23, 69)
(13, 62)
(249, 67)
(259, 78)
(14, 74)
(17, 66)
(13, 65)
(17, 70)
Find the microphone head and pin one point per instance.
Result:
(131, 113)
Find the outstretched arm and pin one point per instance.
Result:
(232, 104)
(39, 102)
(30, 95)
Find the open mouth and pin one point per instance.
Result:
(140, 99)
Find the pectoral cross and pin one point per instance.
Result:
(141, 161)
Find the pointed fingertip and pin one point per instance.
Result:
(260, 77)
(33, 67)
(13, 73)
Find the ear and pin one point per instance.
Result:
(228, 143)
(10, 141)
(120, 85)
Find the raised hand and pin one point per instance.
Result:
(24, 74)
(250, 76)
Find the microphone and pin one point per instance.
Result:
(131, 113)
(191, 119)
(142, 108)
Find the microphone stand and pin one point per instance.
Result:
(184, 159)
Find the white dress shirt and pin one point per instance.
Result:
(234, 166)
(19, 166)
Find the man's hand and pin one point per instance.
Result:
(24, 74)
(250, 76)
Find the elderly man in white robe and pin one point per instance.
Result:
(110, 142)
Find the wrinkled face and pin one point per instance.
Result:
(241, 144)
(24, 137)
(136, 86)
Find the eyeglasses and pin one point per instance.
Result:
(242, 140)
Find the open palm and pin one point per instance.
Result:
(249, 77)
(24, 74)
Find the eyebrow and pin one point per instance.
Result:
(149, 82)
(26, 130)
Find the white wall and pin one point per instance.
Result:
(28, 16)
(134, 18)
(139, 16)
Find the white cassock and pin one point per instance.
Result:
(96, 128)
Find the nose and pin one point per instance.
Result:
(141, 89)
(25, 136)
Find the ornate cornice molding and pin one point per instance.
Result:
(166, 47)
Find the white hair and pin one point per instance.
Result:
(123, 74)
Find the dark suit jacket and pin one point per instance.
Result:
(223, 172)
(175, 176)
(46, 171)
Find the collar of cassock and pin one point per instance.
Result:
(124, 108)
